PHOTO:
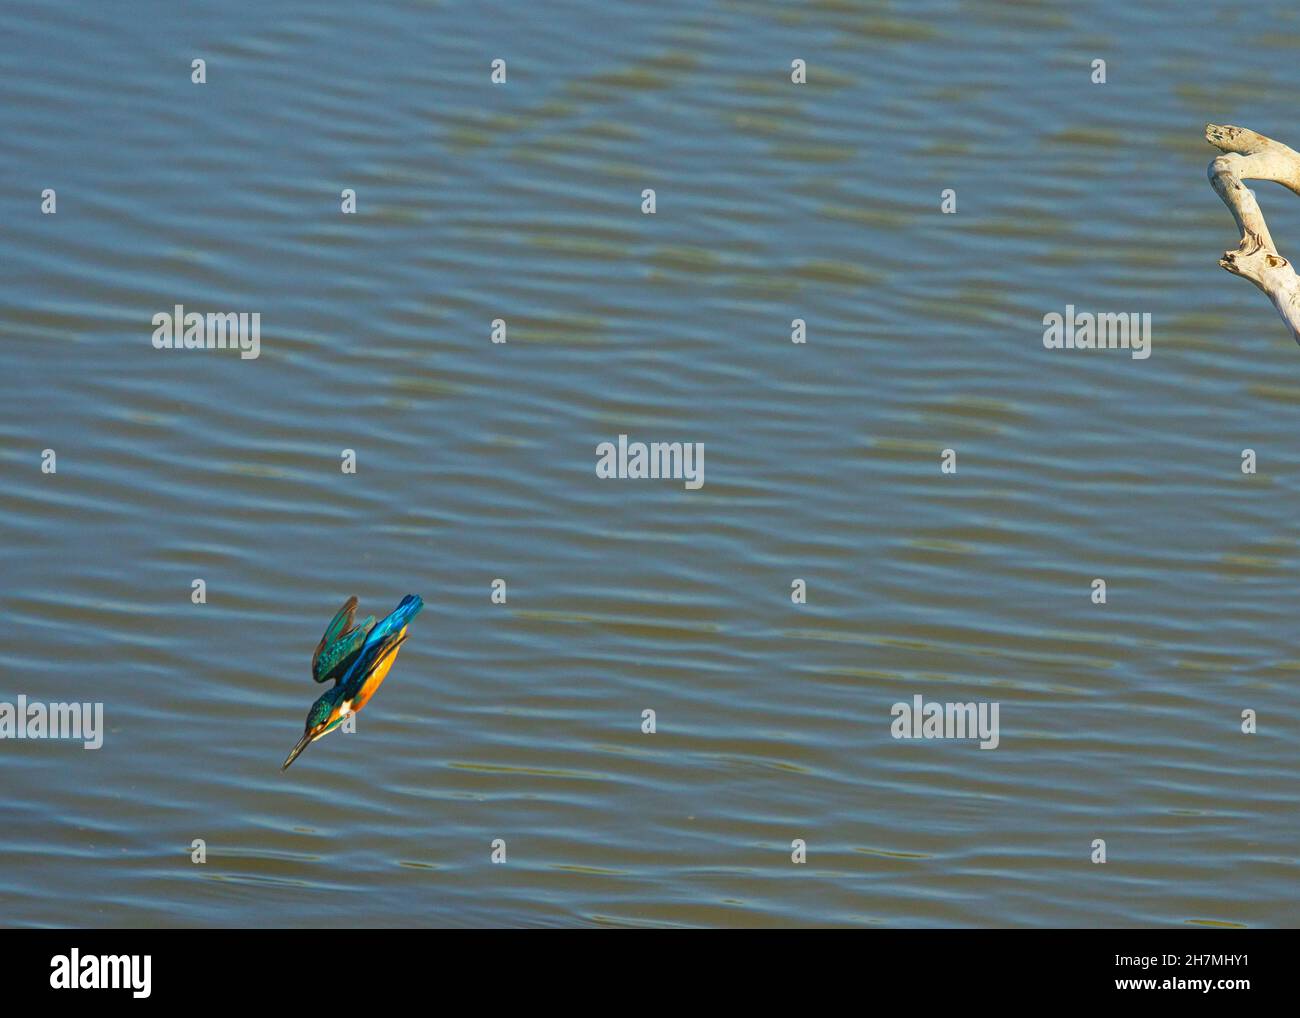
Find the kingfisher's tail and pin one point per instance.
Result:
(405, 611)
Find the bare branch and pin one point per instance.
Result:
(1251, 156)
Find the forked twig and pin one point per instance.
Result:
(1251, 156)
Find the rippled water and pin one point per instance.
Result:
(476, 461)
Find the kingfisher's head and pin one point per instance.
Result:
(326, 714)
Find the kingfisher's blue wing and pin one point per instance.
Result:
(338, 625)
(334, 661)
(340, 643)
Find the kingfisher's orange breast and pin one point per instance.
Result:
(377, 676)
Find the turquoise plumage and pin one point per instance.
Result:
(337, 648)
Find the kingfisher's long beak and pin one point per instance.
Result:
(303, 743)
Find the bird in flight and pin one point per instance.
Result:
(357, 658)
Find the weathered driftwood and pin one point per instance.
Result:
(1251, 156)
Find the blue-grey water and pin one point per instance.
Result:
(475, 461)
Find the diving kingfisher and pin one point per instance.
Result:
(357, 658)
